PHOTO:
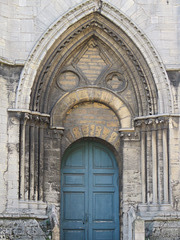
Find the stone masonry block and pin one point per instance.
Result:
(91, 130)
(77, 133)
(85, 130)
(105, 133)
(126, 122)
(98, 130)
(113, 137)
(83, 94)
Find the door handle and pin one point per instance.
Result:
(85, 220)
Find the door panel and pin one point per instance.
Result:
(103, 234)
(89, 193)
(75, 180)
(76, 159)
(103, 206)
(74, 235)
(101, 159)
(103, 180)
(77, 200)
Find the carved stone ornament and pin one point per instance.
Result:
(130, 136)
(151, 121)
(116, 81)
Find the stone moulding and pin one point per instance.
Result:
(91, 94)
(28, 112)
(153, 122)
(95, 22)
(56, 29)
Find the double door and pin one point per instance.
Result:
(89, 193)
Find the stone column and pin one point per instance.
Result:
(165, 163)
(23, 120)
(154, 159)
(31, 160)
(143, 165)
(42, 125)
(143, 138)
(149, 161)
(154, 164)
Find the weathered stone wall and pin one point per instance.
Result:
(89, 77)
(166, 230)
(23, 230)
(3, 143)
(9, 77)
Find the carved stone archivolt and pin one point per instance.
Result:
(91, 50)
(46, 42)
(92, 94)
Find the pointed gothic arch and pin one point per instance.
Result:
(54, 34)
(126, 80)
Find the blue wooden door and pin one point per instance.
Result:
(89, 193)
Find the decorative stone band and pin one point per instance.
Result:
(31, 116)
(153, 120)
(130, 135)
(144, 123)
(90, 131)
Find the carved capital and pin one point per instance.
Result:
(152, 123)
(148, 121)
(130, 136)
(44, 121)
(138, 123)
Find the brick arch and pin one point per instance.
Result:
(91, 94)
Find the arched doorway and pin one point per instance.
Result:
(89, 193)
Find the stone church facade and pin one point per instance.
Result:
(90, 119)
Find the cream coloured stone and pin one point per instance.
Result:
(154, 28)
